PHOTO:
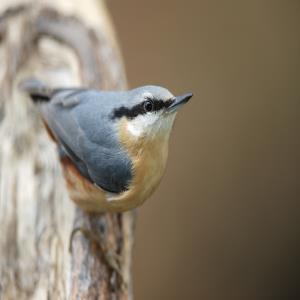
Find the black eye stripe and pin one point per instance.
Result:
(138, 109)
(158, 104)
(129, 113)
(168, 102)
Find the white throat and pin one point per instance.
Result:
(151, 124)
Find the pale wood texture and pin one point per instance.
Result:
(63, 43)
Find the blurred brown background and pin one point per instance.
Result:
(225, 222)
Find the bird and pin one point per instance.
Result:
(113, 145)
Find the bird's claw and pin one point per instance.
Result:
(112, 259)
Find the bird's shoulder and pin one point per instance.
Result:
(81, 122)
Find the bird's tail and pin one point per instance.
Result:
(37, 90)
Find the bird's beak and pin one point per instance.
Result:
(179, 101)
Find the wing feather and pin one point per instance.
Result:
(76, 119)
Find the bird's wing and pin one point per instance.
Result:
(79, 124)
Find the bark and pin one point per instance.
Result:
(62, 43)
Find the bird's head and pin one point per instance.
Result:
(150, 111)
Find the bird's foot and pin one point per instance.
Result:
(112, 259)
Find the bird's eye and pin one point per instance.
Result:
(148, 105)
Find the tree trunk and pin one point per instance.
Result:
(62, 43)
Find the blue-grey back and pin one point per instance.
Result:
(82, 121)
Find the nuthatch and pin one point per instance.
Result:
(113, 145)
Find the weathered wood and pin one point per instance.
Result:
(61, 45)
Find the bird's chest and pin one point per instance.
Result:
(149, 158)
(149, 165)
